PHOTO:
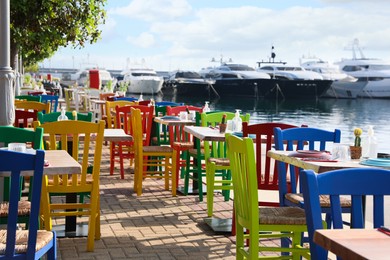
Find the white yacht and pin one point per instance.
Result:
(282, 71)
(343, 86)
(142, 81)
(375, 71)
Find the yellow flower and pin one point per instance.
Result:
(358, 132)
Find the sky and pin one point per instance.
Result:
(168, 35)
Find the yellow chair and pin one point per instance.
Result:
(111, 123)
(110, 111)
(150, 159)
(33, 105)
(263, 222)
(86, 141)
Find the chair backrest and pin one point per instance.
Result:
(53, 100)
(218, 149)
(267, 174)
(24, 118)
(33, 105)
(123, 120)
(52, 117)
(132, 99)
(243, 168)
(29, 98)
(15, 163)
(110, 111)
(300, 138)
(10, 134)
(357, 182)
(86, 140)
(144, 102)
(176, 133)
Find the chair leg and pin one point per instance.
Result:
(174, 173)
(112, 158)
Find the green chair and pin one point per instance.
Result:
(210, 161)
(52, 117)
(29, 98)
(264, 222)
(10, 134)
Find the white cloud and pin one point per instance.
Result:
(144, 40)
(149, 10)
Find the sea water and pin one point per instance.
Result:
(330, 114)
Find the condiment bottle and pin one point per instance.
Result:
(63, 115)
(237, 122)
(206, 107)
(369, 144)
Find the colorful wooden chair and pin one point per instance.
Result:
(157, 162)
(358, 183)
(125, 150)
(179, 140)
(263, 222)
(267, 174)
(31, 243)
(87, 142)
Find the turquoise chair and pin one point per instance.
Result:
(356, 182)
(25, 244)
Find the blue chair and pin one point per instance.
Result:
(53, 100)
(357, 182)
(25, 244)
(125, 98)
(292, 139)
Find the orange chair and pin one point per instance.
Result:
(180, 141)
(125, 150)
(104, 96)
(158, 162)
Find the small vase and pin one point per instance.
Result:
(356, 152)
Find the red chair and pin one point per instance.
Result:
(24, 118)
(181, 141)
(267, 174)
(125, 150)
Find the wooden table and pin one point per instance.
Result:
(316, 166)
(355, 244)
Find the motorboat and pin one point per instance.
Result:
(375, 71)
(279, 70)
(182, 82)
(82, 76)
(233, 79)
(142, 81)
(343, 86)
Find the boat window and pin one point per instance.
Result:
(188, 75)
(139, 74)
(239, 67)
(267, 68)
(351, 68)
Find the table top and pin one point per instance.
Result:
(354, 243)
(170, 122)
(60, 162)
(317, 166)
(116, 135)
(205, 133)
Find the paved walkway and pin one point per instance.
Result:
(152, 226)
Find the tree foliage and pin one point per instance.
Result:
(40, 27)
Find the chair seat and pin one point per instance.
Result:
(24, 208)
(297, 198)
(282, 216)
(43, 238)
(220, 161)
(157, 149)
(183, 145)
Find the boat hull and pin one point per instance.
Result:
(376, 89)
(145, 86)
(271, 88)
(345, 89)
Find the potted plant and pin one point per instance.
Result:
(122, 88)
(356, 149)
